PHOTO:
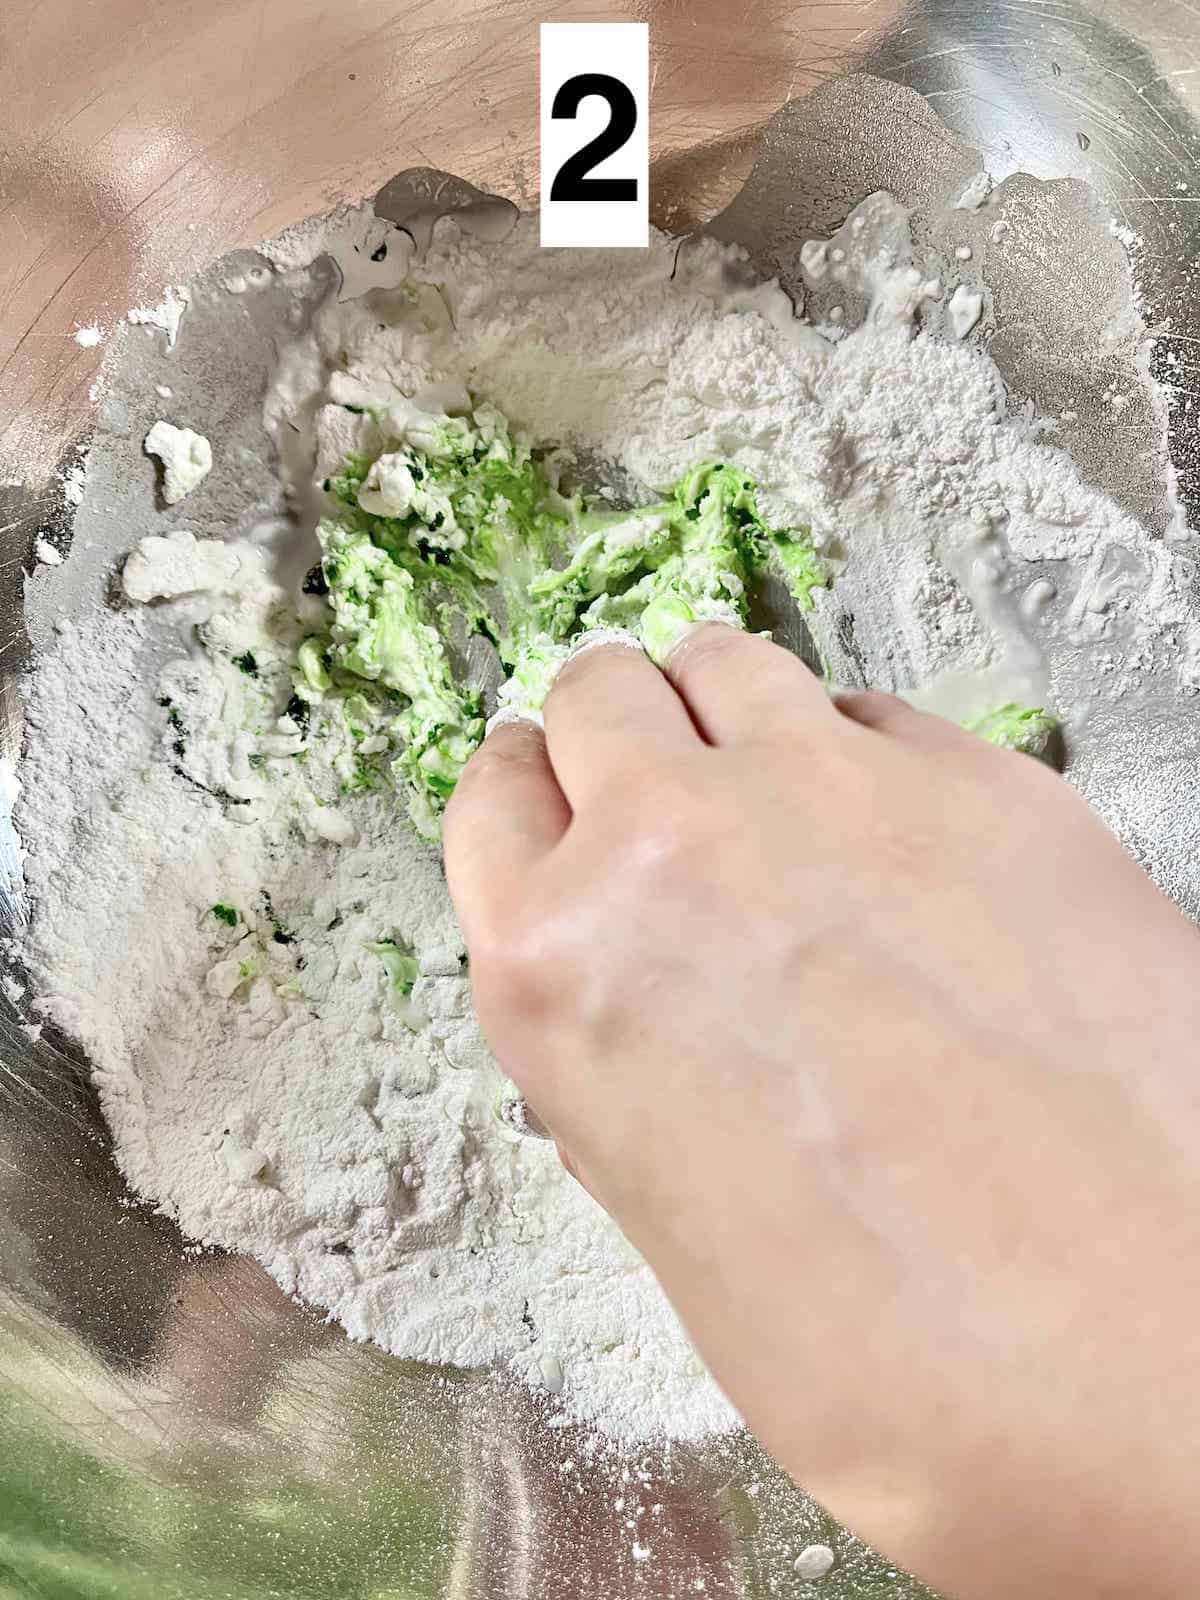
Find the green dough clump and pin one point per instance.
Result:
(456, 529)
(1029, 729)
(399, 964)
(658, 570)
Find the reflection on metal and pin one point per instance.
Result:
(171, 1426)
(415, 199)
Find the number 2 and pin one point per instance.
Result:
(572, 182)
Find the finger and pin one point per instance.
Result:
(609, 716)
(888, 714)
(506, 814)
(740, 687)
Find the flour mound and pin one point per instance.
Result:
(213, 919)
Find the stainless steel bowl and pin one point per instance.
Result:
(172, 1426)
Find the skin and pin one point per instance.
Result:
(881, 1050)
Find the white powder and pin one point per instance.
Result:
(298, 1117)
(264, 1084)
(186, 458)
(299, 246)
(976, 193)
(164, 567)
(89, 337)
(74, 483)
(166, 315)
(371, 253)
(814, 1561)
(964, 310)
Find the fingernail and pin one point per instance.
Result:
(516, 1112)
(689, 630)
(594, 638)
(502, 719)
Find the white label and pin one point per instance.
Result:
(595, 134)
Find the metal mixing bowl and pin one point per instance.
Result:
(172, 1426)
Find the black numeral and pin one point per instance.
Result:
(571, 182)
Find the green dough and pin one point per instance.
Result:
(456, 529)
(1029, 729)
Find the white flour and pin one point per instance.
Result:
(186, 459)
(263, 1083)
(165, 316)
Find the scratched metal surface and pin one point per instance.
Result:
(171, 1426)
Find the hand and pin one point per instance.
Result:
(883, 1053)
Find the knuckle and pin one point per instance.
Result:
(872, 708)
(903, 831)
(907, 852)
(509, 752)
(833, 763)
(713, 641)
(511, 748)
(675, 825)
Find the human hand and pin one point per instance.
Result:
(878, 1046)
